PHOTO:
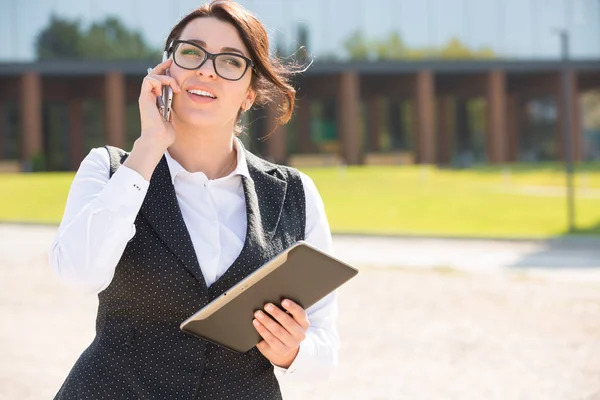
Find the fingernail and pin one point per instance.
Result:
(269, 307)
(285, 303)
(259, 314)
(255, 322)
(178, 89)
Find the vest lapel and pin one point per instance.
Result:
(265, 196)
(161, 210)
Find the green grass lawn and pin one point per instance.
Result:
(523, 201)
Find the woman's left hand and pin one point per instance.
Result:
(282, 332)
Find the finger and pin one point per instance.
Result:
(286, 320)
(273, 342)
(264, 348)
(150, 84)
(297, 312)
(166, 80)
(276, 329)
(161, 68)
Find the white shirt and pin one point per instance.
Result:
(99, 221)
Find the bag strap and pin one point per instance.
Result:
(117, 157)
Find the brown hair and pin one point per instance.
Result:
(271, 78)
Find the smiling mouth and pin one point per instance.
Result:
(202, 93)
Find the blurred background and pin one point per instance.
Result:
(446, 137)
(503, 90)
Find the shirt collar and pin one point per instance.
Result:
(240, 169)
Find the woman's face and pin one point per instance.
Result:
(215, 36)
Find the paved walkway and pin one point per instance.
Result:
(24, 244)
(466, 320)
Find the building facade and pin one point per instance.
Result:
(429, 112)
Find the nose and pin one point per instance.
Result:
(207, 69)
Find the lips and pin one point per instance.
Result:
(202, 91)
(200, 99)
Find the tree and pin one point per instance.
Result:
(455, 49)
(358, 47)
(392, 48)
(59, 40)
(108, 39)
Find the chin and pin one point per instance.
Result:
(202, 120)
(198, 117)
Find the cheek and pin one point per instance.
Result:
(179, 74)
(235, 93)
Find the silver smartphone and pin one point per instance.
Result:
(167, 101)
(167, 96)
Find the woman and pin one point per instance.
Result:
(161, 231)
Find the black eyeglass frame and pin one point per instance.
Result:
(210, 56)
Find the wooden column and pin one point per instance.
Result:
(513, 124)
(348, 103)
(31, 116)
(276, 143)
(425, 117)
(374, 124)
(496, 139)
(76, 145)
(304, 132)
(444, 129)
(114, 106)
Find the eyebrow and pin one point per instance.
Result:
(225, 49)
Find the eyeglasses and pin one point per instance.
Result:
(230, 66)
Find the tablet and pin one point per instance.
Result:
(302, 273)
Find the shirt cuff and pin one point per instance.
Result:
(300, 359)
(125, 192)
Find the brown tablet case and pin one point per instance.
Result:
(302, 273)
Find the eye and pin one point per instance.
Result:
(190, 52)
(233, 61)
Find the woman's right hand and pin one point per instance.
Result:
(157, 134)
(154, 127)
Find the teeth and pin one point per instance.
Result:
(202, 93)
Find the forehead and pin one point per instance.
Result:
(215, 33)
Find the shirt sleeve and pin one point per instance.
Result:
(97, 223)
(318, 354)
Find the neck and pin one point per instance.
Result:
(212, 153)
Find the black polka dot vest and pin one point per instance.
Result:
(139, 351)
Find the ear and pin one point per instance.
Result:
(249, 99)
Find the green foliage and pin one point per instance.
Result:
(358, 47)
(110, 39)
(591, 109)
(59, 40)
(105, 40)
(38, 162)
(455, 49)
(393, 47)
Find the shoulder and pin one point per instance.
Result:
(288, 174)
(97, 159)
(116, 157)
(282, 172)
(103, 160)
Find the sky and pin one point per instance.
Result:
(512, 28)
